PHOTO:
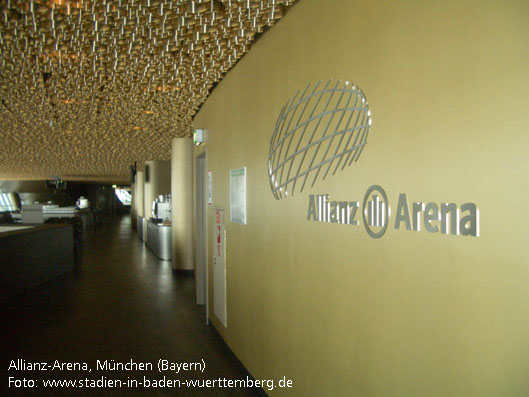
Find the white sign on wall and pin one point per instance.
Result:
(210, 187)
(238, 195)
(219, 267)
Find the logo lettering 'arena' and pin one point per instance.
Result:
(317, 132)
(444, 218)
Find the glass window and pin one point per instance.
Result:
(124, 196)
(8, 202)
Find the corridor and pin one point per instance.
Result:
(122, 304)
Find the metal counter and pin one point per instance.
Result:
(159, 240)
(31, 255)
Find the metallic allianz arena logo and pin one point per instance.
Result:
(318, 131)
(444, 218)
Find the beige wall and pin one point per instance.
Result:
(412, 313)
(157, 182)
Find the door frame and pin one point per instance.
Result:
(201, 236)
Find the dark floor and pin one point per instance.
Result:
(122, 304)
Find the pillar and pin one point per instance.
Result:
(139, 193)
(133, 212)
(182, 202)
(139, 197)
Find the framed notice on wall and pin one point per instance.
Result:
(238, 195)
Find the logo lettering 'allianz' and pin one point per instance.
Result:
(321, 209)
(444, 218)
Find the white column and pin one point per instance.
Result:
(133, 212)
(182, 202)
(139, 197)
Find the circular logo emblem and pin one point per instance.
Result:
(375, 211)
(299, 153)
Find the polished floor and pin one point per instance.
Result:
(122, 304)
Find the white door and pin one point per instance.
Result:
(219, 266)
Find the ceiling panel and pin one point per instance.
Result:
(89, 87)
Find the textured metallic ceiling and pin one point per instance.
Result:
(89, 87)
